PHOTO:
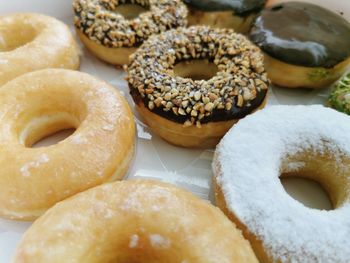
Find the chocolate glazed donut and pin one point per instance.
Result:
(192, 112)
(113, 37)
(238, 15)
(305, 45)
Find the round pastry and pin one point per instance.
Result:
(305, 45)
(30, 42)
(41, 103)
(134, 221)
(302, 141)
(340, 96)
(112, 37)
(238, 15)
(196, 113)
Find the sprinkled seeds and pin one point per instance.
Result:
(240, 80)
(96, 19)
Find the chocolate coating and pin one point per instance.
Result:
(217, 115)
(302, 34)
(239, 7)
(237, 89)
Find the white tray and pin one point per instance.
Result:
(190, 169)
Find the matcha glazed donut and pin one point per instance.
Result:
(340, 96)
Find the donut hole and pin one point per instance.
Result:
(23, 35)
(195, 69)
(307, 191)
(48, 130)
(53, 138)
(328, 171)
(131, 11)
(140, 247)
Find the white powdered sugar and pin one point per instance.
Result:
(25, 169)
(294, 166)
(78, 139)
(158, 241)
(133, 203)
(248, 165)
(3, 41)
(108, 127)
(134, 241)
(156, 208)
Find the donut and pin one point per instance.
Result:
(30, 42)
(112, 37)
(41, 103)
(305, 45)
(134, 221)
(340, 96)
(189, 112)
(238, 15)
(300, 141)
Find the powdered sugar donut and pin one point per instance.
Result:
(40, 103)
(305, 141)
(30, 42)
(134, 221)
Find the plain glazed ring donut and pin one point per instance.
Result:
(37, 104)
(305, 45)
(189, 112)
(134, 221)
(303, 141)
(30, 42)
(112, 37)
(238, 15)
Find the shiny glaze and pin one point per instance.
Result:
(302, 34)
(217, 115)
(239, 7)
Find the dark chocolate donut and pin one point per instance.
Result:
(302, 34)
(239, 7)
(239, 87)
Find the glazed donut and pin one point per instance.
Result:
(302, 141)
(40, 103)
(305, 45)
(238, 15)
(196, 113)
(112, 37)
(134, 221)
(340, 96)
(30, 42)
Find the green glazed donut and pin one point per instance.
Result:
(340, 96)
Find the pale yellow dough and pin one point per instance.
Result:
(134, 221)
(116, 56)
(294, 76)
(40, 103)
(30, 42)
(221, 19)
